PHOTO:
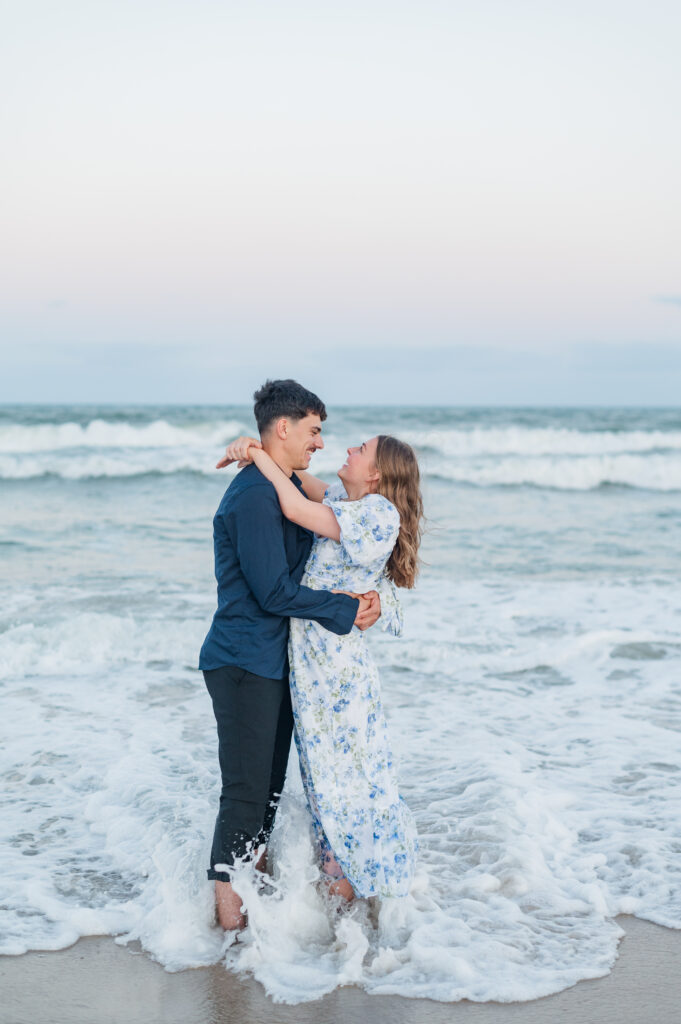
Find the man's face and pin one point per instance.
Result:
(303, 438)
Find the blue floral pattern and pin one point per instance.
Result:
(345, 758)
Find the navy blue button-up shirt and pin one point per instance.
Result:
(259, 560)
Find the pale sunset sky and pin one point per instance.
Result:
(447, 202)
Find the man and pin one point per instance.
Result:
(259, 560)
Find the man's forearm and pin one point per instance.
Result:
(335, 612)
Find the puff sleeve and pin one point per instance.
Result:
(369, 527)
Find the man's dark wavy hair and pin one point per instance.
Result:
(277, 398)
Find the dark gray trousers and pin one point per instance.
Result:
(254, 722)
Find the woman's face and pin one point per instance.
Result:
(359, 469)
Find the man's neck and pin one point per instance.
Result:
(279, 455)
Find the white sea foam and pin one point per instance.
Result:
(535, 713)
(515, 440)
(107, 464)
(102, 434)
(537, 728)
(564, 459)
(577, 473)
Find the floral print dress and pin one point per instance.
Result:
(347, 768)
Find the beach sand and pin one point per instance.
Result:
(99, 982)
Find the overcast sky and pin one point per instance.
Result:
(425, 201)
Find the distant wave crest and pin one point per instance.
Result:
(544, 441)
(653, 472)
(100, 434)
(548, 457)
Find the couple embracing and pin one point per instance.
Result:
(303, 569)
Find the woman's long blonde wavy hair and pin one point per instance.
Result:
(400, 483)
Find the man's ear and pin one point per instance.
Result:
(281, 428)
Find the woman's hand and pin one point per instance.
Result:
(369, 611)
(237, 451)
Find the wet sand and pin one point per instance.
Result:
(99, 982)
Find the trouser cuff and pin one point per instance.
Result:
(218, 876)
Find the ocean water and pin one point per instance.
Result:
(534, 701)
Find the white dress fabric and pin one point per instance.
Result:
(345, 758)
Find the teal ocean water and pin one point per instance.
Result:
(534, 700)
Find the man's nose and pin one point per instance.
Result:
(319, 441)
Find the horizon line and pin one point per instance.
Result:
(343, 405)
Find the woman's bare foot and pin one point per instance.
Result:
(341, 887)
(261, 863)
(228, 905)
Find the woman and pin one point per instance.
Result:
(367, 527)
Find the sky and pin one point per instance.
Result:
(433, 201)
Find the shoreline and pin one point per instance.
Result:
(96, 981)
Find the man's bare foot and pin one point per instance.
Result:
(342, 887)
(228, 906)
